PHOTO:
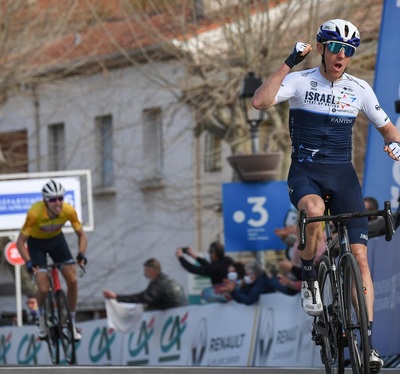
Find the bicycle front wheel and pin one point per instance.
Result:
(355, 315)
(66, 328)
(332, 352)
(52, 328)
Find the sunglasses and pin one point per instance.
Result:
(54, 199)
(336, 47)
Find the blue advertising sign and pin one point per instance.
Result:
(251, 212)
(382, 174)
(18, 203)
(18, 195)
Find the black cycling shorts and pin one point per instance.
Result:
(56, 247)
(342, 183)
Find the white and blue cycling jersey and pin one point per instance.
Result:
(322, 114)
(321, 120)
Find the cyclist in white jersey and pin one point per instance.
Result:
(324, 103)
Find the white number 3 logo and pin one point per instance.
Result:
(258, 207)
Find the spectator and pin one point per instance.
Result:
(376, 224)
(32, 313)
(218, 293)
(216, 269)
(161, 293)
(236, 273)
(256, 282)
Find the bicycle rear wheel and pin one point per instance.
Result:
(355, 315)
(332, 353)
(66, 328)
(52, 328)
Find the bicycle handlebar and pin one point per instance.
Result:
(386, 213)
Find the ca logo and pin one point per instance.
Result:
(100, 344)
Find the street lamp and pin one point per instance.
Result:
(258, 166)
(253, 116)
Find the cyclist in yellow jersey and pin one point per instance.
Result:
(42, 232)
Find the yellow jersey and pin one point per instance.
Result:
(39, 225)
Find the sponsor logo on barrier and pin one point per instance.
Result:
(199, 344)
(171, 334)
(139, 342)
(28, 349)
(304, 341)
(265, 336)
(100, 344)
(5, 345)
(227, 342)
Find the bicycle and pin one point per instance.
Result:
(344, 320)
(58, 322)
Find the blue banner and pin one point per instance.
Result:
(19, 203)
(381, 174)
(252, 211)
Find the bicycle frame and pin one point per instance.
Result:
(54, 279)
(344, 321)
(58, 320)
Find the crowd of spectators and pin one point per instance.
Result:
(229, 279)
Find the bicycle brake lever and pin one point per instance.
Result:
(83, 270)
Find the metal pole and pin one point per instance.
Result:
(255, 148)
(18, 293)
(255, 144)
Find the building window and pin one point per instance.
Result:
(14, 152)
(152, 155)
(212, 153)
(104, 130)
(56, 146)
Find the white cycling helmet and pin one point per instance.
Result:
(52, 189)
(339, 30)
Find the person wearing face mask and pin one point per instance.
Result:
(236, 273)
(255, 283)
(218, 292)
(161, 293)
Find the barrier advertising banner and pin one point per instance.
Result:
(273, 332)
(381, 174)
(252, 211)
(384, 259)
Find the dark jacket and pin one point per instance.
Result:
(249, 294)
(216, 270)
(161, 293)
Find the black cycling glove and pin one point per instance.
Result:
(81, 257)
(29, 266)
(294, 57)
